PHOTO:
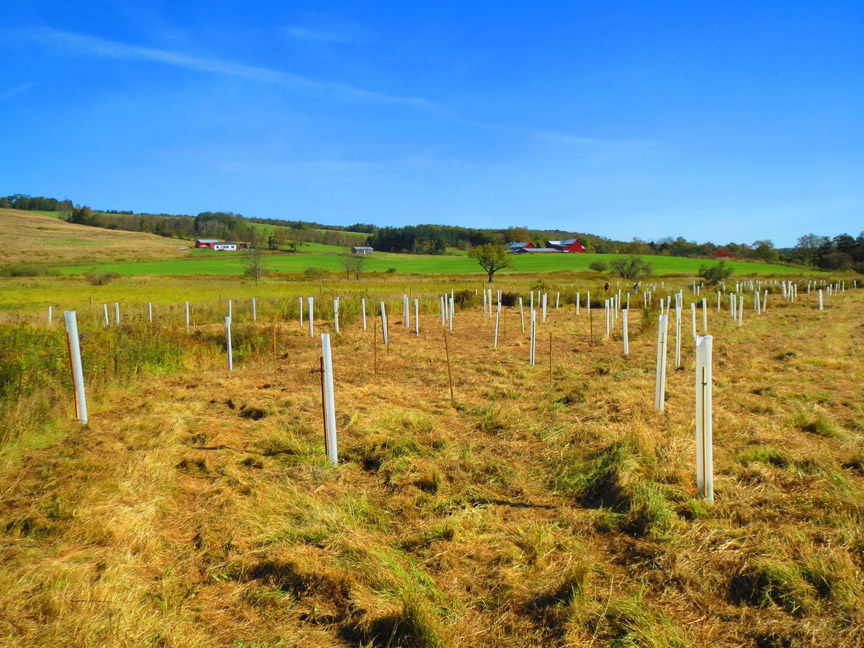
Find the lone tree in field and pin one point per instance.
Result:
(353, 264)
(713, 275)
(492, 257)
(631, 267)
(254, 263)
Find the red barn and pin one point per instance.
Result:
(569, 245)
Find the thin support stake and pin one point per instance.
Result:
(449, 371)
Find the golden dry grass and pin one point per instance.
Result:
(34, 238)
(198, 510)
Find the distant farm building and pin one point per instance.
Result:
(216, 244)
(569, 245)
(361, 249)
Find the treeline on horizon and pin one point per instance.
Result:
(841, 252)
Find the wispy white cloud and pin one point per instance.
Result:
(11, 92)
(91, 45)
(326, 29)
(569, 139)
(316, 35)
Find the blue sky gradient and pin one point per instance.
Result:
(731, 121)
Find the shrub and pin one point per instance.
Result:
(391, 270)
(96, 278)
(19, 270)
(599, 266)
(509, 299)
(314, 273)
(713, 275)
(464, 297)
(631, 267)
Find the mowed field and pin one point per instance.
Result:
(209, 262)
(549, 506)
(75, 249)
(34, 238)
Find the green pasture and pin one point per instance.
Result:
(209, 262)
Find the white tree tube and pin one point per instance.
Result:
(384, 331)
(533, 343)
(704, 441)
(336, 314)
(704, 315)
(532, 301)
(608, 314)
(406, 312)
(660, 384)
(301, 311)
(329, 400)
(522, 315)
(718, 301)
(150, 311)
(442, 307)
(71, 319)
(187, 317)
(740, 310)
(497, 320)
(588, 302)
(693, 313)
(544, 307)
(230, 308)
(557, 299)
(254, 311)
(310, 303)
(484, 307)
(50, 315)
(451, 312)
(624, 331)
(577, 305)
(677, 336)
(363, 303)
(228, 343)
(116, 312)
(417, 318)
(821, 305)
(765, 302)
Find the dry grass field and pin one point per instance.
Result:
(552, 506)
(34, 238)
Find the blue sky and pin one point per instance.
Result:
(731, 121)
